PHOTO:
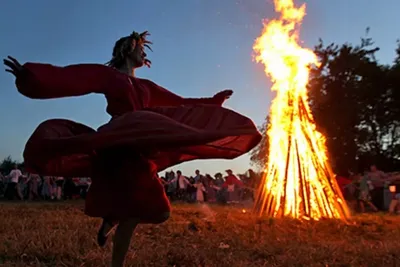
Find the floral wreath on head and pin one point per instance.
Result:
(124, 46)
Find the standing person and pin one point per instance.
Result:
(191, 190)
(53, 186)
(69, 188)
(12, 187)
(200, 190)
(33, 185)
(84, 184)
(233, 185)
(22, 187)
(47, 188)
(377, 178)
(151, 129)
(365, 195)
(197, 176)
(352, 191)
(205, 182)
(211, 189)
(59, 187)
(182, 183)
(221, 193)
(171, 187)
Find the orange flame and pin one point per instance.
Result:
(299, 181)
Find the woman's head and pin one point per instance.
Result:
(131, 49)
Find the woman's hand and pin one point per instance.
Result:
(13, 66)
(223, 95)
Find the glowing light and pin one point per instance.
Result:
(298, 181)
(392, 189)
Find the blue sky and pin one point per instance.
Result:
(200, 47)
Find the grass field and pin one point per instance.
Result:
(59, 234)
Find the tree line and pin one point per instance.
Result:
(7, 164)
(355, 101)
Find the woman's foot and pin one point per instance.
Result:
(103, 232)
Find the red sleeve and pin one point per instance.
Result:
(228, 181)
(44, 81)
(238, 182)
(160, 96)
(232, 180)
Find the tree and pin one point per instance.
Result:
(393, 140)
(352, 101)
(338, 92)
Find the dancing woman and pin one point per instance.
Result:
(150, 130)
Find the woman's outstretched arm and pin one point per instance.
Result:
(45, 81)
(160, 96)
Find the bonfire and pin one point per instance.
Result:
(298, 180)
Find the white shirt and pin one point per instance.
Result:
(182, 181)
(376, 175)
(14, 175)
(84, 181)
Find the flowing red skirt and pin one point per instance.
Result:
(60, 147)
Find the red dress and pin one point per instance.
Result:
(145, 117)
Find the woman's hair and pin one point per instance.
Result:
(124, 46)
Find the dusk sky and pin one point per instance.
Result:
(200, 47)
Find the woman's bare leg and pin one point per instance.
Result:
(108, 226)
(123, 236)
(105, 230)
(122, 240)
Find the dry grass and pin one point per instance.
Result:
(54, 234)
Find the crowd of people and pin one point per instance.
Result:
(372, 189)
(25, 186)
(230, 188)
